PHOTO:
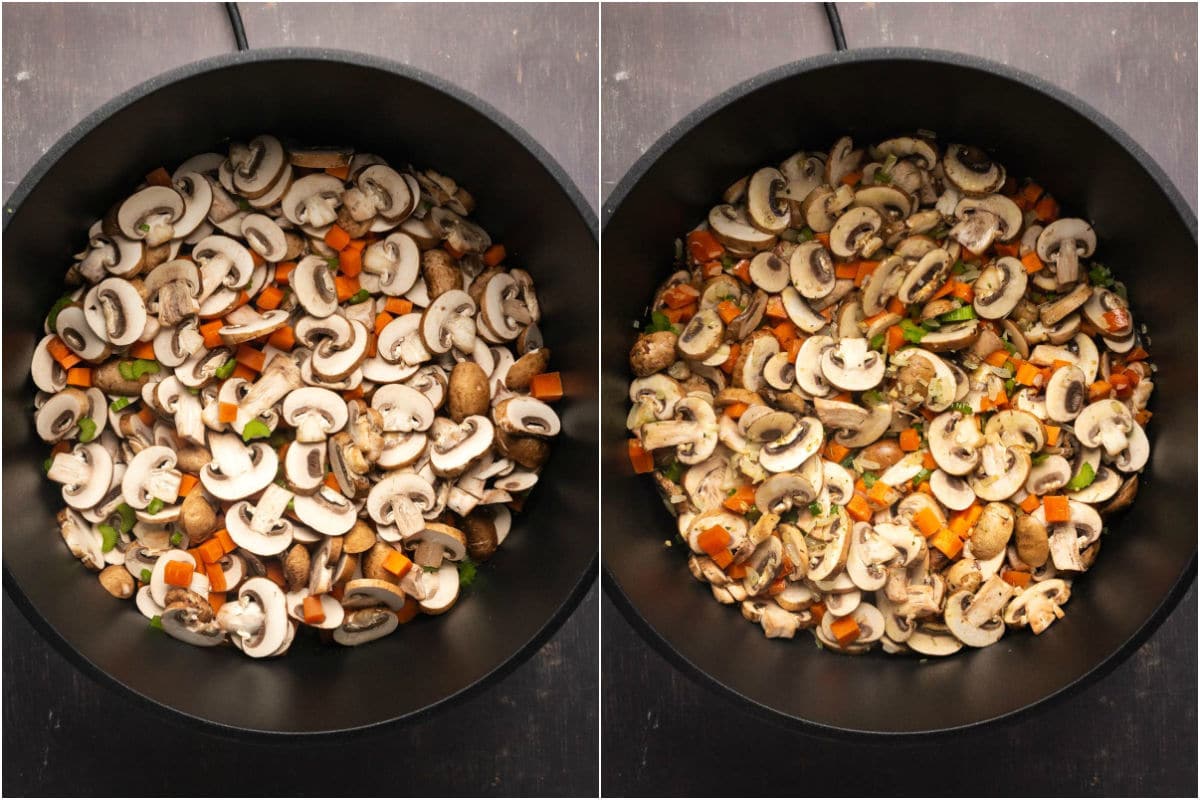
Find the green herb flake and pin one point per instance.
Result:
(291, 506)
(1010, 386)
(156, 622)
(912, 332)
(255, 429)
(791, 517)
(1100, 275)
(921, 477)
(673, 472)
(145, 576)
(869, 479)
(848, 461)
(176, 539)
(1038, 458)
(87, 429)
(816, 509)
(1009, 346)
(361, 296)
(959, 267)
(333, 262)
(119, 403)
(962, 408)
(144, 227)
(49, 462)
(430, 569)
(753, 515)
(127, 517)
(244, 204)
(872, 397)
(466, 572)
(59, 305)
(806, 234)
(226, 369)
(109, 534)
(876, 342)
(1082, 479)
(659, 322)
(155, 505)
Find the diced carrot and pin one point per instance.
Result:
(494, 255)
(961, 522)
(910, 440)
(79, 376)
(927, 521)
(997, 359)
(823, 238)
(227, 412)
(882, 495)
(547, 386)
(65, 357)
(347, 287)
(742, 270)
(928, 461)
(925, 488)
(1117, 319)
(943, 290)
(894, 338)
(895, 306)
(269, 298)
(1051, 432)
(794, 349)
(703, 246)
(681, 315)
(785, 332)
(208, 330)
(827, 312)
(845, 630)
(256, 259)
(680, 295)
(865, 268)
(1046, 209)
(283, 270)
(985, 404)
(818, 612)
(226, 540)
(407, 612)
(196, 559)
(722, 558)
(216, 600)
(713, 540)
(146, 415)
(283, 339)
(835, 451)
(143, 350)
(1058, 508)
(1000, 400)
(211, 550)
(341, 173)
(852, 178)
(1142, 417)
(847, 270)
(331, 482)
(452, 250)
(735, 350)
(178, 573)
(736, 571)
(216, 578)
(397, 563)
(1099, 390)
(948, 542)
(354, 394)
(350, 261)
(187, 482)
(642, 461)
(381, 321)
(398, 306)
(740, 501)
(337, 238)
(275, 574)
(1012, 250)
(253, 358)
(1016, 577)
(159, 177)
(1136, 354)
(963, 291)
(858, 508)
(1032, 263)
(775, 309)
(314, 611)
(1029, 195)
(1030, 503)
(735, 410)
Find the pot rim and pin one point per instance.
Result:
(81, 130)
(948, 59)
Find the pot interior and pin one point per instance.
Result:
(1146, 236)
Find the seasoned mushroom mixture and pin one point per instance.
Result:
(891, 398)
(292, 387)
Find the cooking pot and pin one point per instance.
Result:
(524, 200)
(1147, 236)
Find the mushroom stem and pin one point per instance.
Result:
(164, 484)
(281, 376)
(70, 469)
(429, 554)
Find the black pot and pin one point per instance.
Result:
(525, 201)
(1147, 235)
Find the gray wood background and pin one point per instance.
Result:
(535, 732)
(1133, 732)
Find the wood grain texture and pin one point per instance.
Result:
(534, 732)
(1134, 732)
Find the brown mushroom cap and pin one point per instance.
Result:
(652, 352)
(468, 391)
(480, 531)
(524, 368)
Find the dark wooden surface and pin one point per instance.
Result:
(534, 732)
(1134, 732)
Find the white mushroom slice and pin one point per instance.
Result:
(971, 170)
(150, 215)
(930, 641)
(1001, 472)
(73, 328)
(904, 470)
(315, 413)
(365, 592)
(732, 227)
(151, 474)
(801, 313)
(828, 553)
(769, 272)
(851, 366)
(1066, 394)
(253, 467)
(364, 625)
(1015, 428)
(312, 281)
(326, 511)
(532, 417)
(876, 424)
(869, 554)
(115, 311)
(397, 262)
(1105, 423)
(854, 233)
(282, 375)
(387, 191)
(447, 591)
(58, 418)
(261, 529)
(304, 465)
(48, 374)
(403, 408)
(1062, 243)
(273, 631)
(933, 383)
(794, 447)
(999, 288)
(952, 491)
(449, 321)
(401, 499)
(158, 585)
(259, 165)
(83, 539)
(331, 361)
(188, 617)
(312, 200)
(766, 206)
(811, 270)
(454, 446)
(1136, 453)
(184, 407)
(924, 279)
(333, 611)
(1104, 486)
(1049, 476)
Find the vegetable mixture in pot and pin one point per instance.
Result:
(891, 398)
(292, 387)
